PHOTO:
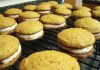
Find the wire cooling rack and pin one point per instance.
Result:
(48, 42)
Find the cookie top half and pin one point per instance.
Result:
(13, 11)
(63, 11)
(59, 6)
(68, 6)
(46, 4)
(30, 7)
(90, 24)
(52, 19)
(43, 7)
(81, 13)
(1, 16)
(96, 13)
(97, 8)
(53, 2)
(29, 14)
(29, 27)
(83, 8)
(49, 60)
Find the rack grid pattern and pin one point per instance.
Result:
(48, 42)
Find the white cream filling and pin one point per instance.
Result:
(66, 16)
(8, 28)
(31, 19)
(14, 16)
(12, 57)
(79, 51)
(96, 35)
(54, 26)
(31, 37)
(43, 11)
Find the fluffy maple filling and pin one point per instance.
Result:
(97, 34)
(54, 26)
(66, 16)
(32, 36)
(43, 11)
(31, 19)
(14, 16)
(5, 61)
(8, 28)
(79, 51)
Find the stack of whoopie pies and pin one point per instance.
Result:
(77, 42)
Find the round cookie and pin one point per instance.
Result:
(66, 13)
(7, 25)
(29, 15)
(12, 12)
(29, 30)
(49, 60)
(77, 41)
(81, 14)
(53, 21)
(30, 7)
(83, 8)
(43, 9)
(89, 24)
(10, 50)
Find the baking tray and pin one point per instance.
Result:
(48, 42)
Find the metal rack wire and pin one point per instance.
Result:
(48, 42)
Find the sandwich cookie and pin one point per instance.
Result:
(89, 24)
(29, 15)
(81, 14)
(30, 7)
(12, 12)
(10, 50)
(83, 8)
(53, 21)
(77, 42)
(29, 30)
(49, 60)
(66, 13)
(43, 9)
(7, 25)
